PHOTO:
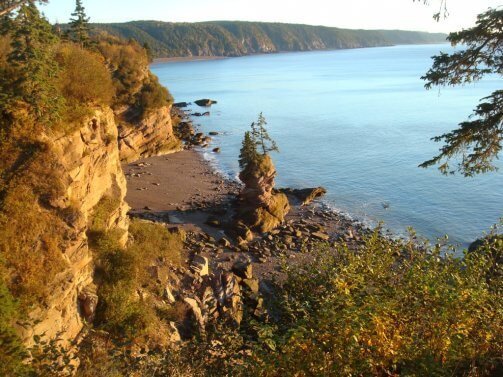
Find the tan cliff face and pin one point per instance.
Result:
(89, 167)
(150, 137)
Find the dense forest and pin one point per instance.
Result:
(236, 38)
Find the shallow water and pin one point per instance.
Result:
(357, 122)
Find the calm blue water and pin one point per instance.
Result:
(355, 121)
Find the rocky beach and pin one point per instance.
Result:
(183, 191)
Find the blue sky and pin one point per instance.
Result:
(365, 14)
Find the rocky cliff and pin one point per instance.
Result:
(152, 136)
(90, 170)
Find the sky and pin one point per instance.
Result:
(353, 14)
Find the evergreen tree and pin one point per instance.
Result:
(261, 136)
(79, 25)
(9, 6)
(248, 153)
(478, 141)
(32, 60)
(256, 143)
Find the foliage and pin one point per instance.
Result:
(477, 142)
(256, 144)
(152, 96)
(389, 309)
(236, 38)
(12, 353)
(153, 241)
(84, 79)
(262, 139)
(79, 25)
(121, 271)
(248, 153)
(9, 6)
(31, 57)
(135, 86)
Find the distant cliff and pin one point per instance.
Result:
(237, 38)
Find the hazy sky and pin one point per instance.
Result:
(365, 14)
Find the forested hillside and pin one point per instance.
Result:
(236, 38)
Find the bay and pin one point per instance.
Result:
(357, 122)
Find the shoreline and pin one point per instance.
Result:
(181, 59)
(184, 191)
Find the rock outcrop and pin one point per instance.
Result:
(150, 137)
(307, 195)
(205, 102)
(90, 170)
(261, 208)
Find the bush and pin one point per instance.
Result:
(153, 96)
(389, 309)
(153, 241)
(84, 77)
(128, 63)
(13, 354)
(122, 271)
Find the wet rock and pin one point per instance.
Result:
(205, 102)
(216, 150)
(213, 133)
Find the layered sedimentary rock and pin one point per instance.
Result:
(150, 137)
(90, 170)
(261, 208)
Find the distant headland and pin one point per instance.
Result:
(238, 38)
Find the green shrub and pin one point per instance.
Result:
(121, 272)
(12, 352)
(153, 241)
(153, 96)
(389, 309)
(84, 77)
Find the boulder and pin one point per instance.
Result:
(196, 311)
(216, 150)
(181, 105)
(88, 300)
(320, 236)
(168, 294)
(251, 284)
(205, 102)
(243, 268)
(306, 195)
(224, 242)
(200, 265)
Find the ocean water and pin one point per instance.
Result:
(357, 122)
